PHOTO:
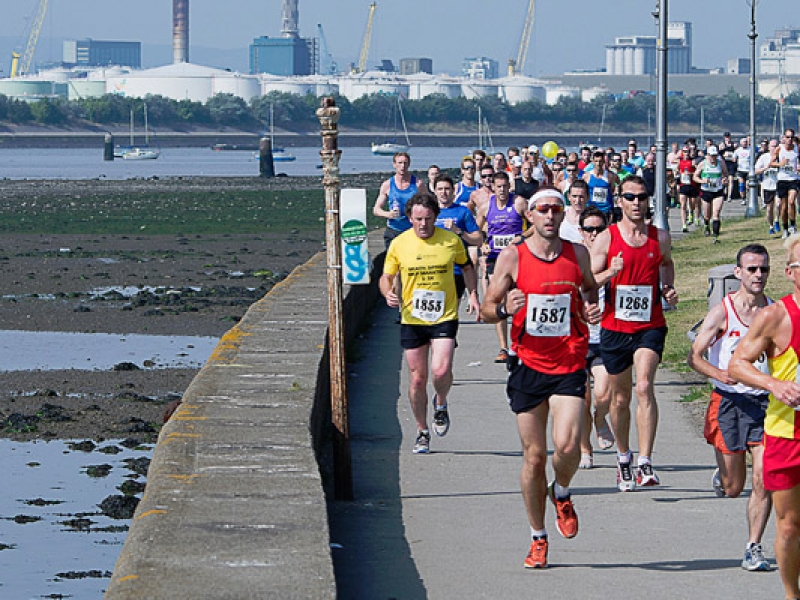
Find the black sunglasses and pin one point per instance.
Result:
(598, 229)
(764, 269)
(640, 197)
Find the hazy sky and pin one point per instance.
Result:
(566, 35)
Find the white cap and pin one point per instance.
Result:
(516, 161)
(533, 149)
(712, 151)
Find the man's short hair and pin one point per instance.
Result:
(633, 179)
(480, 153)
(751, 249)
(401, 154)
(592, 211)
(500, 175)
(424, 199)
(446, 179)
(580, 184)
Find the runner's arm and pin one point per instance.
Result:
(499, 300)
(471, 280)
(713, 326)
(760, 339)
(380, 202)
(667, 268)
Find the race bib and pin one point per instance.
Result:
(713, 184)
(548, 315)
(686, 178)
(728, 155)
(634, 303)
(428, 305)
(502, 241)
(788, 169)
(599, 195)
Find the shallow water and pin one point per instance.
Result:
(55, 350)
(41, 549)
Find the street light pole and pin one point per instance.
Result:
(752, 183)
(660, 198)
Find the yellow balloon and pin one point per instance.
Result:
(549, 149)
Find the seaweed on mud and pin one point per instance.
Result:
(119, 507)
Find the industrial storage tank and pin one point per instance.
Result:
(478, 88)
(20, 88)
(85, 88)
(355, 87)
(591, 93)
(184, 81)
(446, 86)
(518, 89)
(556, 92)
(287, 85)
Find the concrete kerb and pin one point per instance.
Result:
(235, 500)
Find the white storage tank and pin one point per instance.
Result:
(478, 88)
(515, 90)
(85, 88)
(446, 86)
(556, 92)
(591, 93)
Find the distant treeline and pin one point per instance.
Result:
(378, 112)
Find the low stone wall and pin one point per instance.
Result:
(235, 504)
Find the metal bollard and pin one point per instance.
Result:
(266, 167)
(108, 147)
(721, 282)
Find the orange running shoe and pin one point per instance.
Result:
(566, 519)
(537, 555)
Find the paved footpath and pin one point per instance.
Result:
(452, 524)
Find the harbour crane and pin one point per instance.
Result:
(327, 65)
(21, 63)
(516, 67)
(362, 58)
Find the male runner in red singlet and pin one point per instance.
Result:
(541, 283)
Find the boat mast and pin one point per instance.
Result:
(403, 121)
(131, 126)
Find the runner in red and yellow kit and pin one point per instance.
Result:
(776, 333)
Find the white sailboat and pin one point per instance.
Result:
(278, 154)
(134, 152)
(392, 147)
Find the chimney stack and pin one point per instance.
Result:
(290, 27)
(180, 31)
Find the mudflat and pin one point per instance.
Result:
(197, 280)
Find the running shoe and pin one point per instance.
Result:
(605, 437)
(423, 443)
(625, 480)
(777, 227)
(785, 234)
(537, 555)
(690, 220)
(441, 419)
(706, 232)
(716, 483)
(645, 476)
(566, 519)
(771, 231)
(502, 356)
(792, 230)
(754, 559)
(715, 240)
(587, 461)
(685, 229)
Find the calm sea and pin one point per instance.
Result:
(87, 163)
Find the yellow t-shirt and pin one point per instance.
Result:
(426, 274)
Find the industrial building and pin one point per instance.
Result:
(97, 53)
(780, 55)
(410, 66)
(286, 55)
(636, 55)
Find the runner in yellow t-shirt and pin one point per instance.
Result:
(425, 256)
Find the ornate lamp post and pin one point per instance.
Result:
(752, 183)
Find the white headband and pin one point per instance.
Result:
(545, 193)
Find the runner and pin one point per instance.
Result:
(467, 185)
(396, 191)
(712, 176)
(592, 223)
(735, 416)
(742, 157)
(424, 257)
(571, 224)
(502, 220)
(785, 160)
(602, 185)
(539, 282)
(433, 175)
(687, 188)
(633, 326)
(769, 186)
(726, 149)
(526, 186)
(775, 332)
(456, 219)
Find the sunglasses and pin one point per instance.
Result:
(764, 269)
(468, 168)
(631, 197)
(597, 229)
(485, 175)
(543, 209)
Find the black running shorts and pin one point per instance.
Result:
(416, 336)
(617, 349)
(526, 389)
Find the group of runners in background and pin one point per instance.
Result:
(565, 250)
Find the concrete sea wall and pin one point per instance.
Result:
(235, 499)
